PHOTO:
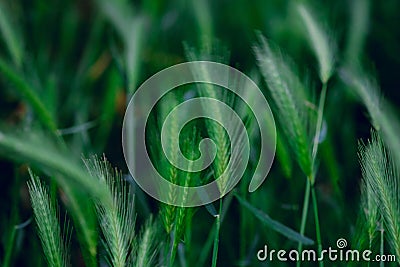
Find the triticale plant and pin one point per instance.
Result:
(46, 214)
(381, 175)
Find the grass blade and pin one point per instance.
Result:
(29, 94)
(83, 215)
(68, 173)
(358, 29)
(11, 36)
(216, 239)
(130, 27)
(275, 225)
(29, 146)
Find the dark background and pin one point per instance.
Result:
(73, 55)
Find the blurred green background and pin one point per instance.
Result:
(69, 67)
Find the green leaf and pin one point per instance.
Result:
(275, 225)
(130, 27)
(357, 30)
(10, 35)
(70, 174)
(37, 149)
(29, 94)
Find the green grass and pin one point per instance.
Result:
(381, 181)
(47, 221)
(68, 70)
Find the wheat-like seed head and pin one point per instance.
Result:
(382, 115)
(116, 219)
(322, 44)
(381, 176)
(47, 221)
(147, 246)
(289, 96)
(229, 148)
(171, 172)
(369, 208)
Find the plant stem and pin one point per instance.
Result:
(206, 248)
(216, 238)
(314, 155)
(382, 263)
(14, 217)
(173, 248)
(319, 122)
(317, 228)
(311, 180)
(370, 248)
(304, 215)
(9, 247)
(243, 223)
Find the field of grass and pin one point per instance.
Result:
(328, 69)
